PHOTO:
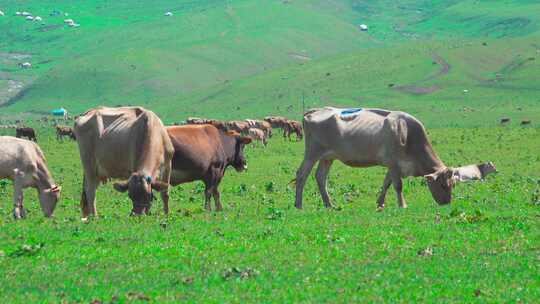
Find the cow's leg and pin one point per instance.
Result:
(217, 198)
(301, 177)
(88, 198)
(208, 194)
(398, 186)
(18, 208)
(165, 193)
(384, 189)
(322, 177)
(165, 198)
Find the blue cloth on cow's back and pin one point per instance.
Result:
(350, 111)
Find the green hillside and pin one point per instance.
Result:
(458, 65)
(265, 56)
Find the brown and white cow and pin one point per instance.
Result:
(23, 162)
(202, 152)
(372, 137)
(258, 135)
(27, 132)
(124, 143)
(474, 172)
(63, 131)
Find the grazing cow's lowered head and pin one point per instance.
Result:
(440, 184)
(48, 199)
(139, 187)
(238, 160)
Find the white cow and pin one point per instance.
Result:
(371, 137)
(23, 162)
(474, 172)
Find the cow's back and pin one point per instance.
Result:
(17, 153)
(196, 149)
(114, 141)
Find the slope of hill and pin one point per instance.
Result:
(268, 56)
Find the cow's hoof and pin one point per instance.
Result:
(19, 213)
(380, 208)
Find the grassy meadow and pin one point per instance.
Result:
(459, 66)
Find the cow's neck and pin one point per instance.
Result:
(44, 180)
(229, 147)
(429, 162)
(482, 169)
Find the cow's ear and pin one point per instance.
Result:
(121, 187)
(245, 140)
(159, 186)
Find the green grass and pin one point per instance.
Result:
(486, 240)
(248, 59)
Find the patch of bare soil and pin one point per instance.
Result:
(417, 88)
(12, 89)
(504, 73)
(10, 58)
(300, 56)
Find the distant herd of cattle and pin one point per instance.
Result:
(133, 145)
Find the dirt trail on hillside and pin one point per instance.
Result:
(417, 89)
(12, 84)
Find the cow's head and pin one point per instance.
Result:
(139, 187)
(239, 161)
(489, 167)
(48, 199)
(440, 184)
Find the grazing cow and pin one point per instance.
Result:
(525, 122)
(473, 172)
(126, 143)
(196, 121)
(371, 137)
(23, 162)
(258, 135)
(293, 126)
(241, 127)
(261, 124)
(26, 132)
(276, 122)
(62, 131)
(505, 120)
(203, 153)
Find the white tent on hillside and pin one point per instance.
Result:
(168, 14)
(363, 27)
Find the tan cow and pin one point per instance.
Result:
(63, 131)
(474, 172)
(23, 162)
(261, 124)
(125, 143)
(371, 137)
(258, 135)
(241, 127)
(276, 121)
(292, 126)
